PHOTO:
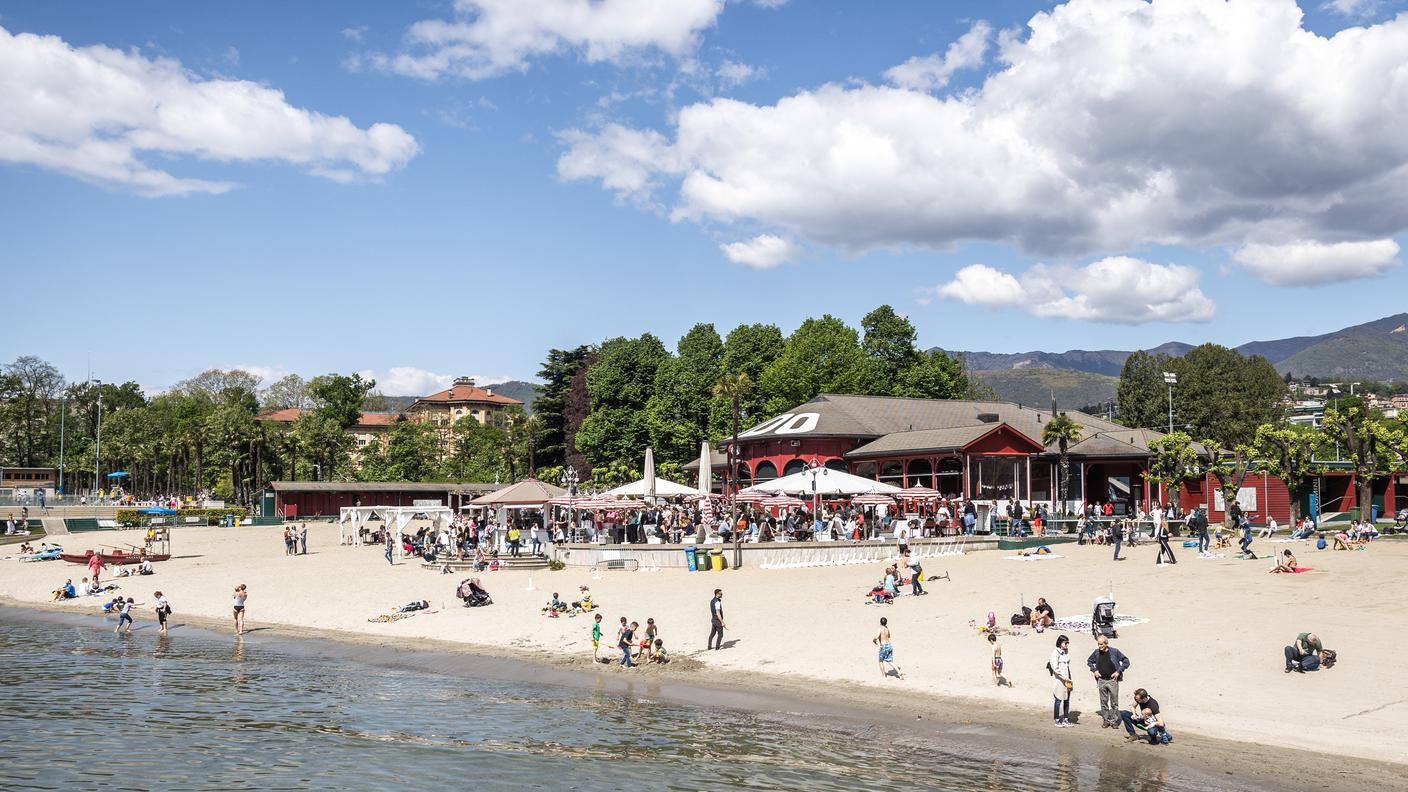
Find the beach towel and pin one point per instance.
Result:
(1082, 623)
(1034, 557)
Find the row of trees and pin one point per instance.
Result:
(602, 406)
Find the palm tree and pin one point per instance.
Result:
(1062, 431)
(733, 387)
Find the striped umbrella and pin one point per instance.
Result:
(750, 497)
(873, 500)
(783, 502)
(918, 493)
(707, 515)
(567, 500)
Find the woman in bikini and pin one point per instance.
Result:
(241, 594)
(1286, 563)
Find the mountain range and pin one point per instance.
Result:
(525, 392)
(1376, 350)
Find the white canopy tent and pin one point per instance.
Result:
(664, 488)
(395, 518)
(822, 481)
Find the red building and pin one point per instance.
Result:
(294, 499)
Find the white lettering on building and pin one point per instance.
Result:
(801, 423)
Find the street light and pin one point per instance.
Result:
(1170, 379)
(570, 479)
(97, 436)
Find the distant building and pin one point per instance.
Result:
(1306, 412)
(1399, 401)
(22, 483)
(461, 400)
(370, 427)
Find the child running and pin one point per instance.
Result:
(125, 617)
(628, 634)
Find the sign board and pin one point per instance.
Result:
(427, 502)
(1245, 496)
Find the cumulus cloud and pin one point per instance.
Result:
(732, 74)
(764, 251)
(485, 38)
(932, 72)
(1107, 125)
(1118, 290)
(1315, 263)
(92, 112)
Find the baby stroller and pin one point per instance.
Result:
(473, 593)
(1102, 621)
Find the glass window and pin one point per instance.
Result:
(921, 474)
(837, 464)
(745, 476)
(795, 466)
(866, 470)
(892, 473)
(765, 471)
(999, 477)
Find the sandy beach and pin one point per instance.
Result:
(1210, 651)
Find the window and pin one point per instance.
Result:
(892, 473)
(743, 475)
(999, 477)
(949, 476)
(836, 464)
(866, 470)
(921, 474)
(765, 471)
(795, 466)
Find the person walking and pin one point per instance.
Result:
(389, 545)
(1059, 666)
(1116, 536)
(1198, 524)
(1161, 536)
(916, 573)
(1108, 665)
(163, 610)
(303, 539)
(716, 621)
(887, 650)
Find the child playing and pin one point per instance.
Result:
(584, 603)
(596, 638)
(658, 655)
(996, 659)
(125, 617)
(647, 640)
(555, 607)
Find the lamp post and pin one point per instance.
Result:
(98, 435)
(63, 411)
(1170, 379)
(569, 477)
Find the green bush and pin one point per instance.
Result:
(132, 517)
(556, 566)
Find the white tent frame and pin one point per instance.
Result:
(395, 518)
(664, 488)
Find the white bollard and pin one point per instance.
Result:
(530, 584)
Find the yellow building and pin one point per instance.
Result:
(461, 400)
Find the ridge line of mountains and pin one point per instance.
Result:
(1376, 350)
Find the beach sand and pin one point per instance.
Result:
(1211, 652)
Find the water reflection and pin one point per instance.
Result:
(242, 715)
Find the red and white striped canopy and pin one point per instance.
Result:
(750, 497)
(918, 493)
(783, 502)
(873, 500)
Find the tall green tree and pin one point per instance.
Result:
(1142, 395)
(1226, 396)
(1369, 440)
(889, 349)
(340, 397)
(821, 356)
(411, 453)
(678, 412)
(551, 406)
(620, 384)
(29, 390)
(288, 392)
(748, 349)
(1288, 453)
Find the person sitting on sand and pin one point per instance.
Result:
(1286, 563)
(554, 607)
(1304, 530)
(1269, 530)
(1043, 616)
(584, 602)
(419, 605)
(657, 654)
(145, 568)
(1146, 714)
(1307, 645)
(66, 591)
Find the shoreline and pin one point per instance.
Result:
(851, 706)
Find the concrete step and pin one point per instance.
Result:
(505, 562)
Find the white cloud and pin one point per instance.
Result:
(355, 34)
(267, 375)
(932, 72)
(1353, 8)
(1309, 263)
(1109, 125)
(1118, 290)
(92, 112)
(486, 38)
(412, 381)
(732, 74)
(764, 251)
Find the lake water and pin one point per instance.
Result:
(85, 709)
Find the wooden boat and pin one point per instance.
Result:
(1028, 542)
(114, 558)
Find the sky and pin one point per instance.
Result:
(428, 189)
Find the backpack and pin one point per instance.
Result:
(1025, 617)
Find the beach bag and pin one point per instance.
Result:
(1025, 617)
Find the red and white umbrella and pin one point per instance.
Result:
(707, 515)
(783, 502)
(750, 497)
(918, 493)
(873, 500)
(568, 500)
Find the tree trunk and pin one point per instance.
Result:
(1365, 487)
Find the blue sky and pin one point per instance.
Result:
(534, 182)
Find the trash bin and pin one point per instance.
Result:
(716, 560)
(689, 559)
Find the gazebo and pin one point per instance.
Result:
(395, 518)
(525, 494)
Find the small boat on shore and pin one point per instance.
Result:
(1028, 542)
(114, 558)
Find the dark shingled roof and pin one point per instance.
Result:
(475, 487)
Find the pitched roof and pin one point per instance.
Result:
(460, 394)
(950, 439)
(528, 492)
(367, 420)
(474, 487)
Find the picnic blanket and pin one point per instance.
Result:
(1082, 623)
(391, 617)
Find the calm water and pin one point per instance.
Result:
(83, 709)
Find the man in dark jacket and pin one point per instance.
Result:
(1108, 664)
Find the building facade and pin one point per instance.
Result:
(461, 400)
(369, 431)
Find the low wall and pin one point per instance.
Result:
(775, 555)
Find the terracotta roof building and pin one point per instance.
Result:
(461, 400)
(370, 428)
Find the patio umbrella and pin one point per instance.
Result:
(706, 470)
(119, 474)
(873, 500)
(750, 497)
(649, 480)
(919, 493)
(783, 502)
(823, 481)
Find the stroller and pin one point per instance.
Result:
(1102, 621)
(473, 593)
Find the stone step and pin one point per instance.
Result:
(522, 562)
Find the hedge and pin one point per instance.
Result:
(134, 517)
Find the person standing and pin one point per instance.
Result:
(916, 573)
(1108, 665)
(1059, 665)
(1116, 536)
(163, 610)
(887, 650)
(303, 539)
(389, 545)
(628, 635)
(716, 621)
(1198, 524)
(125, 617)
(514, 539)
(241, 594)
